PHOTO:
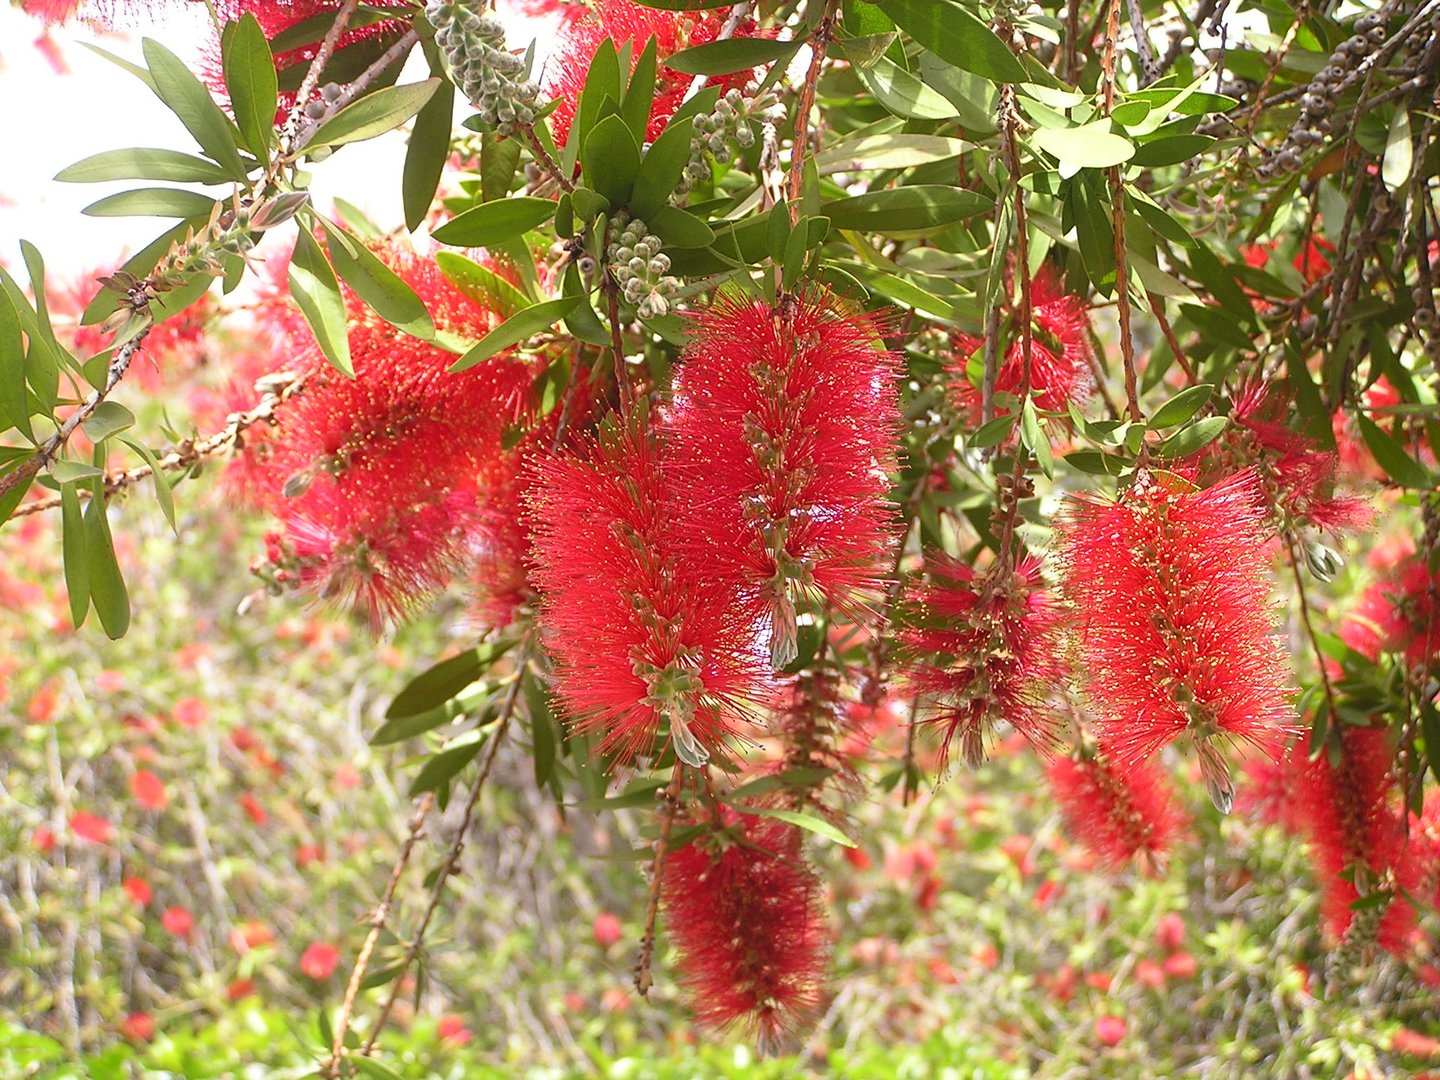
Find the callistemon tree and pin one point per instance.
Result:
(759, 372)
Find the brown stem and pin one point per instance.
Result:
(643, 978)
(447, 865)
(296, 119)
(1290, 549)
(1117, 195)
(1157, 307)
(377, 924)
(819, 42)
(545, 161)
(119, 364)
(189, 452)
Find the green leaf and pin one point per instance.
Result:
(1217, 326)
(426, 154)
(993, 432)
(1170, 150)
(407, 727)
(152, 202)
(14, 402)
(163, 495)
(67, 471)
(1090, 146)
(1033, 436)
(481, 284)
(542, 729)
(640, 95)
(143, 164)
(519, 327)
(313, 285)
(444, 680)
(251, 80)
(1391, 456)
(679, 228)
(729, 56)
(1399, 152)
(610, 160)
(904, 94)
(603, 81)
(958, 37)
(1182, 406)
(441, 768)
(495, 222)
(374, 114)
(377, 285)
(108, 418)
(660, 170)
(187, 98)
(808, 822)
(892, 151)
(1430, 727)
(107, 586)
(1189, 439)
(499, 158)
(77, 561)
(372, 1067)
(905, 209)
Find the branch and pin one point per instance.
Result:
(819, 42)
(643, 980)
(279, 389)
(377, 923)
(296, 119)
(1117, 196)
(448, 864)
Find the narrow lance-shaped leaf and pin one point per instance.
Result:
(317, 293)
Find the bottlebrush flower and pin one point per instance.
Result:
(375, 478)
(1297, 478)
(319, 961)
(1059, 352)
(983, 651)
(1354, 822)
(178, 921)
(1268, 793)
(639, 634)
(91, 827)
(783, 436)
(1175, 628)
(1118, 815)
(1397, 614)
(742, 907)
(625, 22)
(149, 790)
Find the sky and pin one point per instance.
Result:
(55, 120)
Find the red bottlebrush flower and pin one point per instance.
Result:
(1354, 821)
(1109, 1030)
(607, 929)
(44, 839)
(1268, 793)
(1175, 628)
(625, 22)
(138, 1027)
(783, 436)
(91, 827)
(452, 1030)
(984, 652)
(742, 907)
(1059, 352)
(1425, 843)
(319, 961)
(149, 790)
(251, 805)
(1118, 815)
(638, 634)
(139, 891)
(191, 713)
(376, 477)
(178, 921)
(1170, 932)
(1297, 479)
(1398, 615)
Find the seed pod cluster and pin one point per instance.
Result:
(472, 41)
(640, 267)
(713, 133)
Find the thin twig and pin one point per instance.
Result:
(1117, 195)
(819, 42)
(189, 452)
(296, 119)
(447, 865)
(727, 31)
(1157, 307)
(377, 924)
(643, 978)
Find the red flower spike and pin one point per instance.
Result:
(625, 22)
(1118, 815)
(1399, 615)
(783, 436)
(742, 907)
(639, 635)
(1175, 627)
(374, 477)
(1354, 821)
(984, 652)
(1060, 352)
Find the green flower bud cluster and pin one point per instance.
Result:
(640, 267)
(714, 132)
(472, 42)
